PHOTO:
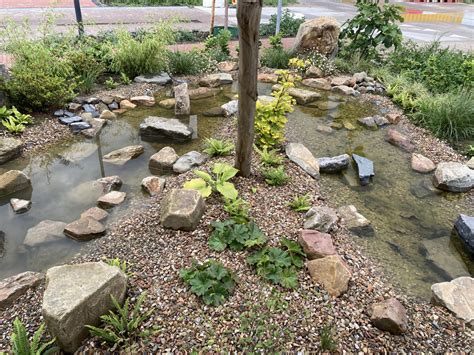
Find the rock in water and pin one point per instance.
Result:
(77, 127)
(332, 272)
(182, 209)
(365, 168)
(354, 221)
(20, 206)
(320, 218)
(162, 161)
(153, 185)
(111, 199)
(159, 128)
(110, 183)
(390, 316)
(320, 34)
(367, 122)
(96, 213)
(44, 232)
(84, 229)
(13, 181)
(76, 296)
(454, 177)
(457, 296)
(188, 161)
(333, 164)
(10, 148)
(143, 100)
(315, 244)
(2, 243)
(301, 156)
(398, 139)
(202, 93)
(320, 83)
(231, 108)
(465, 229)
(344, 90)
(13, 287)
(123, 155)
(127, 105)
(421, 164)
(301, 96)
(215, 80)
(183, 103)
(437, 251)
(167, 103)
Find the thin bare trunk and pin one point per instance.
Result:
(213, 16)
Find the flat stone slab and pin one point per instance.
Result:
(15, 286)
(333, 164)
(318, 83)
(123, 155)
(301, 96)
(13, 181)
(344, 90)
(68, 120)
(10, 148)
(389, 315)
(111, 199)
(465, 229)
(320, 218)
(159, 79)
(76, 296)
(182, 209)
(365, 168)
(46, 231)
(20, 206)
(159, 128)
(301, 156)
(215, 80)
(189, 161)
(332, 273)
(315, 244)
(77, 127)
(96, 213)
(453, 177)
(456, 296)
(85, 228)
(143, 100)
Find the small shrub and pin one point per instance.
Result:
(111, 84)
(188, 63)
(275, 58)
(22, 346)
(277, 265)
(327, 339)
(289, 24)
(238, 209)
(236, 236)
(211, 281)
(275, 176)
(86, 68)
(217, 47)
(122, 328)
(405, 92)
(300, 203)
(124, 79)
(206, 184)
(218, 147)
(270, 119)
(269, 157)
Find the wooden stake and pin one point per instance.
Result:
(213, 16)
(248, 17)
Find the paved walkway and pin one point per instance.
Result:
(30, 4)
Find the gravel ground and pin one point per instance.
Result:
(258, 316)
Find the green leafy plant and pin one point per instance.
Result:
(269, 157)
(218, 147)
(275, 58)
(236, 236)
(275, 176)
(277, 265)
(16, 121)
(270, 118)
(372, 26)
(289, 23)
(206, 183)
(217, 46)
(22, 346)
(123, 265)
(238, 209)
(405, 92)
(124, 79)
(111, 84)
(327, 339)
(211, 281)
(12, 126)
(5, 112)
(190, 63)
(300, 203)
(122, 327)
(470, 151)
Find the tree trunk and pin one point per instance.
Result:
(213, 16)
(248, 17)
(226, 14)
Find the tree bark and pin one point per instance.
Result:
(248, 17)
(213, 17)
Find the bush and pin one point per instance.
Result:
(289, 24)
(13, 120)
(217, 47)
(275, 58)
(188, 63)
(147, 54)
(405, 92)
(218, 147)
(275, 176)
(449, 116)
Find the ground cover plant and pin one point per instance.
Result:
(218, 147)
(275, 56)
(235, 236)
(300, 203)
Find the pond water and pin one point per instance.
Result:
(412, 223)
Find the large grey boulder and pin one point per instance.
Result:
(123, 155)
(321, 218)
(188, 161)
(13, 181)
(320, 34)
(389, 315)
(13, 287)
(183, 104)
(85, 228)
(333, 164)
(215, 80)
(454, 177)
(231, 108)
(46, 231)
(365, 167)
(457, 296)
(162, 161)
(76, 296)
(10, 148)
(159, 79)
(301, 156)
(182, 209)
(159, 128)
(465, 229)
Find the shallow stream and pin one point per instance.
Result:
(412, 223)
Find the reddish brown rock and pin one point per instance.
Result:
(268, 78)
(153, 185)
(397, 139)
(389, 315)
(421, 163)
(13, 287)
(332, 273)
(83, 229)
(112, 199)
(227, 66)
(393, 118)
(96, 213)
(315, 244)
(127, 105)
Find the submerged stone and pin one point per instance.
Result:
(13, 181)
(465, 228)
(10, 148)
(333, 164)
(398, 139)
(365, 167)
(123, 155)
(20, 206)
(354, 221)
(46, 231)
